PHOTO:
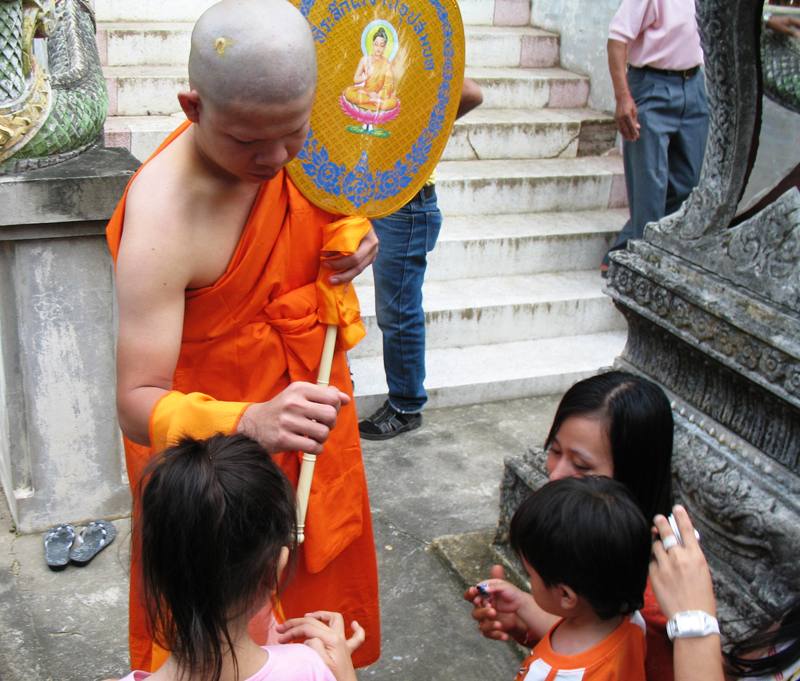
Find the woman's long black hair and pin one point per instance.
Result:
(215, 515)
(639, 424)
(788, 632)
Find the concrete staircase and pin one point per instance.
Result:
(513, 296)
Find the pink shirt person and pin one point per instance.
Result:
(659, 33)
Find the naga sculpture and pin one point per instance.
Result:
(53, 102)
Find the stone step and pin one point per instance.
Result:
(144, 90)
(167, 43)
(525, 186)
(485, 134)
(530, 88)
(488, 373)
(511, 46)
(140, 44)
(519, 244)
(498, 12)
(503, 309)
(482, 134)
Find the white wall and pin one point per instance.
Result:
(583, 26)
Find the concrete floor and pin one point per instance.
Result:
(442, 479)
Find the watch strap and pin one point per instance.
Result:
(691, 624)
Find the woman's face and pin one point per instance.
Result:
(581, 447)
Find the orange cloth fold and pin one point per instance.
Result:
(338, 303)
(177, 415)
(260, 326)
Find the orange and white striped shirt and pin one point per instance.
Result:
(618, 657)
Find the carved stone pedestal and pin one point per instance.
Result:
(60, 449)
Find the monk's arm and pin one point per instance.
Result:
(152, 276)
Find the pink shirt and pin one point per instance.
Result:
(290, 662)
(659, 33)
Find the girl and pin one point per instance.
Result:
(217, 524)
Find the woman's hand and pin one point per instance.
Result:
(680, 576)
(324, 632)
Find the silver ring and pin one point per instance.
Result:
(669, 542)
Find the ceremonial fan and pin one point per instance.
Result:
(389, 82)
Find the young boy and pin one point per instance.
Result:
(586, 547)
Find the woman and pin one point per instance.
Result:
(619, 425)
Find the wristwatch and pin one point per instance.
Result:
(691, 624)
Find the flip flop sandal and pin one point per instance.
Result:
(57, 544)
(92, 539)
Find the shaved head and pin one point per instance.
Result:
(252, 51)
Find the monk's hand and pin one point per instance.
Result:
(324, 632)
(627, 117)
(299, 418)
(348, 267)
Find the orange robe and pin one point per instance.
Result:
(245, 338)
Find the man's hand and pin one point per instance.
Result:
(348, 267)
(324, 632)
(299, 418)
(627, 117)
(785, 23)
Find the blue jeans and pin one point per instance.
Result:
(406, 238)
(663, 165)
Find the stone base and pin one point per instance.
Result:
(60, 449)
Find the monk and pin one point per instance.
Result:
(218, 279)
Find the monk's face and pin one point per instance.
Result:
(252, 142)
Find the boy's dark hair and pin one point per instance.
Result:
(589, 534)
(214, 517)
(639, 424)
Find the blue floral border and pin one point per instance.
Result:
(359, 184)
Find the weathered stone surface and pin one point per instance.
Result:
(85, 188)
(60, 448)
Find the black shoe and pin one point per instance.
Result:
(387, 422)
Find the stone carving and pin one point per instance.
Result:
(728, 30)
(751, 508)
(48, 112)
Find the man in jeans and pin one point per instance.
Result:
(406, 237)
(655, 59)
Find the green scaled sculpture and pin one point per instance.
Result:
(52, 107)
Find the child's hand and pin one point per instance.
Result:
(680, 576)
(324, 632)
(496, 613)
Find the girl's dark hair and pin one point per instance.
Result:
(214, 516)
(589, 534)
(787, 633)
(380, 33)
(639, 423)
